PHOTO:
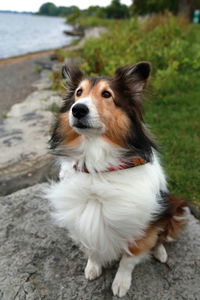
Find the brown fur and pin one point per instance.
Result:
(116, 122)
(146, 243)
(69, 136)
(170, 226)
(85, 85)
(163, 228)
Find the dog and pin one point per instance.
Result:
(112, 195)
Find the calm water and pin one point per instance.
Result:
(21, 34)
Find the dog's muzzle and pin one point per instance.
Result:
(84, 117)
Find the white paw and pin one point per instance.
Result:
(121, 284)
(92, 270)
(160, 253)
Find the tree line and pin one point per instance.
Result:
(50, 9)
(117, 10)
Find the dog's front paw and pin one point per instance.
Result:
(121, 284)
(92, 270)
(160, 253)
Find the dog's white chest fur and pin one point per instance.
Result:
(107, 211)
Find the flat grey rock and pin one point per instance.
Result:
(38, 261)
(44, 82)
(24, 135)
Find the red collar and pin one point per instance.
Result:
(134, 162)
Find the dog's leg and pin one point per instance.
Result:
(93, 269)
(160, 253)
(122, 281)
(139, 250)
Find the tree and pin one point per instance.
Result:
(116, 10)
(65, 11)
(48, 9)
(184, 7)
(96, 11)
(143, 7)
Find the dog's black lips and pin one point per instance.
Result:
(81, 125)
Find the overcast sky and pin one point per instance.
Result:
(33, 5)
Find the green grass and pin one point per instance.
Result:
(175, 122)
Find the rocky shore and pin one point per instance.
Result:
(17, 75)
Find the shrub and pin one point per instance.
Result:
(168, 42)
(85, 21)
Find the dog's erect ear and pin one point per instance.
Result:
(134, 77)
(72, 74)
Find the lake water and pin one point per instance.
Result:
(21, 34)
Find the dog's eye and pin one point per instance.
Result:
(106, 94)
(79, 92)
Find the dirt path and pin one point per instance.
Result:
(17, 75)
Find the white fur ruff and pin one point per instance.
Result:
(104, 212)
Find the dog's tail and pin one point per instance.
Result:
(174, 218)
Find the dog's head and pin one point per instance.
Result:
(105, 107)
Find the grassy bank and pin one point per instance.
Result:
(172, 101)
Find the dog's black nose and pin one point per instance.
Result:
(80, 110)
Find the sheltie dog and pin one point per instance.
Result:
(112, 195)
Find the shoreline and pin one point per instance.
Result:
(20, 58)
(30, 55)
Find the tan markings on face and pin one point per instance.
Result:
(114, 119)
(70, 137)
(85, 86)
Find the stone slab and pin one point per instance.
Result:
(24, 136)
(38, 261)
